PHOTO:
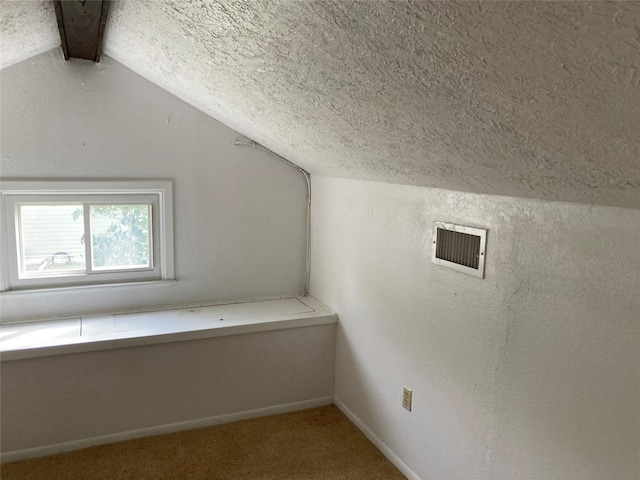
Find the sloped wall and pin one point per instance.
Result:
(533, 372)
(239, 212)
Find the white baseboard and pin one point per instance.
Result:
(46, 450)
(386, 451)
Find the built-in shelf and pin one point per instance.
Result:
(101, 332)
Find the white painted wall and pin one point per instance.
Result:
(83, 398)
(531, 373)
(239, 233)
(239, 212)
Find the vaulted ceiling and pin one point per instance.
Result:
(530, 99)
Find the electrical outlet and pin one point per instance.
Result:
(406, 398)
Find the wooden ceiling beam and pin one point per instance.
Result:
(81, 24)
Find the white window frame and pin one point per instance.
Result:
(157, 193)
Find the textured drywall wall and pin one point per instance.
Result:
(531, 373)
(239, 213)
(52, 400)
(529, 99)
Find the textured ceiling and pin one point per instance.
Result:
(532, 99)
(27, 28)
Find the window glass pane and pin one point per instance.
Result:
(120, 236)
(52, 239)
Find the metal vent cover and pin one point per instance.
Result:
(459, 247)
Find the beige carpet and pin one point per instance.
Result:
(316, 444)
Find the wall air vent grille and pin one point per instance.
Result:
(460, 248)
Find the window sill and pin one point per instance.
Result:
(103, 332)
(63, 289)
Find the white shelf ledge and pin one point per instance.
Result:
(102, 332)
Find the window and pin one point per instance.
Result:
(64, 234)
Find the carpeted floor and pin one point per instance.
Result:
(316, 444)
